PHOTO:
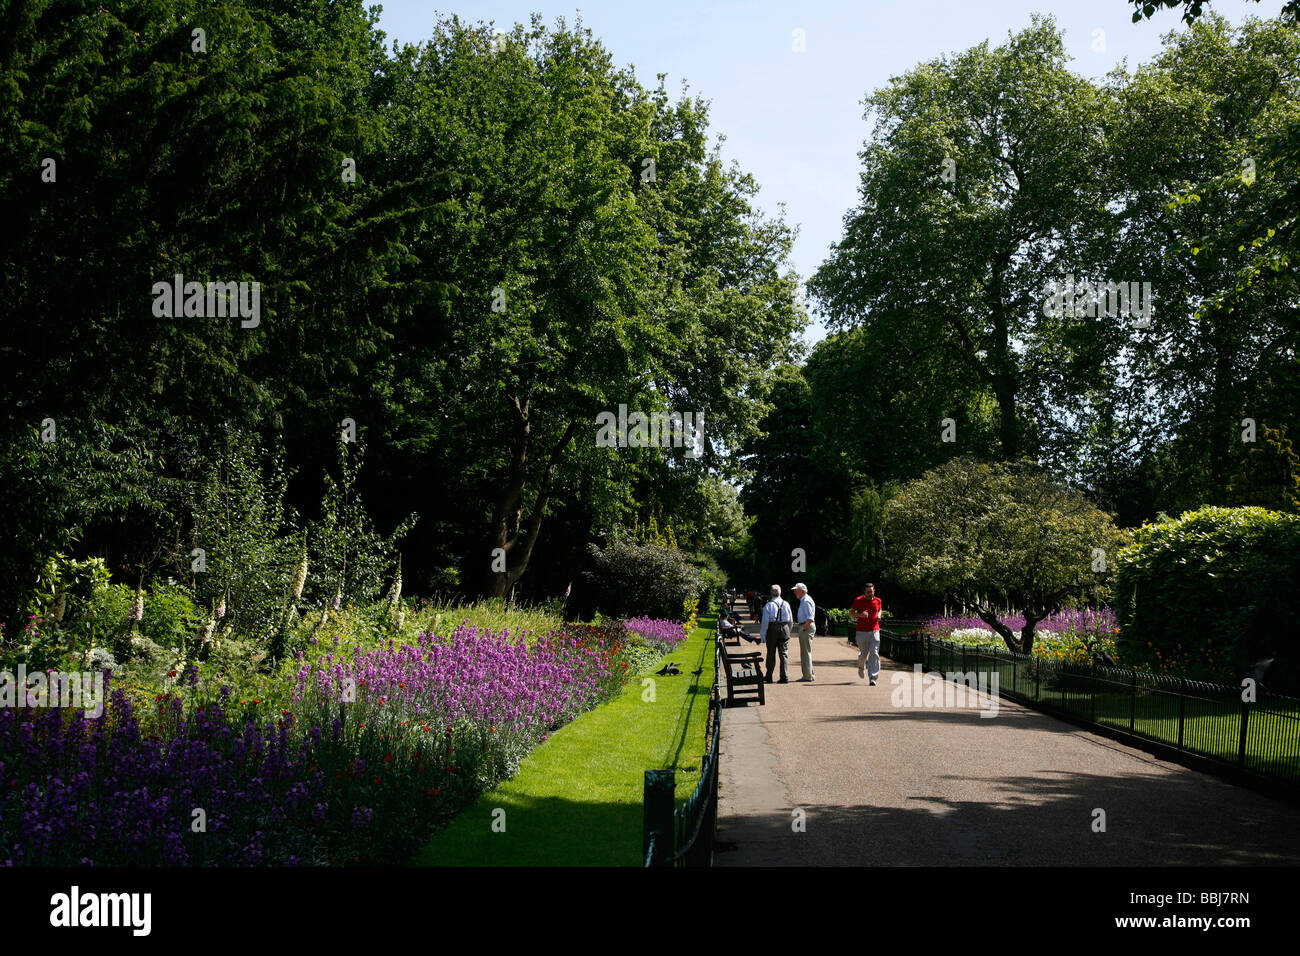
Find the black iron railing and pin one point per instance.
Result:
(683, 836)
(1217, 722)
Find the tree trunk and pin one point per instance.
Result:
(518, 544)
(1008, 636)
(1009, 429)
(1027, 635)
(1005, 373)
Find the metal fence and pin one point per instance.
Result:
(1210, 721)
(683, 836)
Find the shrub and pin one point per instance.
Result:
(243, 524)
(643, 580)
(1207, 594)
(348, 555)
(170, 616)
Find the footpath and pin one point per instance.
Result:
(832, 773)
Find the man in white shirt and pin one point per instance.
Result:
(775, 628)
(805, 627)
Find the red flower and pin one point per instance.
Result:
(388, 757)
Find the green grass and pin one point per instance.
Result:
(577, 799)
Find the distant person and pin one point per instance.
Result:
(868, 608)
(805, 626)
(775, 628)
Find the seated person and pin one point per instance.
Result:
(729, 628)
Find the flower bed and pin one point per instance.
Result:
(662, 635)
(1071, 635)
(374, 751)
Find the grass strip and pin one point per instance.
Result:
(577, 799)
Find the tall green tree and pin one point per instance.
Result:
(984, 176)
(1219, 350)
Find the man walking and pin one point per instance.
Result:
(868, 608)
(775, 628)
(806, 626)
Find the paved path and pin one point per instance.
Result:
(879, 784)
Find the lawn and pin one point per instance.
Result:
(577, 799)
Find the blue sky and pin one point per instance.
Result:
(794, 119)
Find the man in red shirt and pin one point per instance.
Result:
(868, 607)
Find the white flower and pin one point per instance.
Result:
(99, 658)
(299, 579)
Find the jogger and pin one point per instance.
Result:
(868, 632)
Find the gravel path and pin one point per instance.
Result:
(832, 773)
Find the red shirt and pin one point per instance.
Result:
(868, 612)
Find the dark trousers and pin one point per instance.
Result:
(778, 641)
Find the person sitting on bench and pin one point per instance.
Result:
(728, 628)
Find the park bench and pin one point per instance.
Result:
(742, 669)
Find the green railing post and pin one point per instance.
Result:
(1182, 707)
(1133, 704)
(657, 820)
(1241, 743)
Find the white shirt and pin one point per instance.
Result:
(775, 610)
(807, 609)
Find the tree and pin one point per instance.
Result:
(1268, 475)
(567, 283)
(987, 536)
(1218, 349)
(1192, 8)
(984, 175)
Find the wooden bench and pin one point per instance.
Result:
(742, 669)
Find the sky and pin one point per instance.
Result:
(794, 119)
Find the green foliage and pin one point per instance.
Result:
(985, 536)
(348, 556)
(170, 618)
(1208, 593)
(1268, 475)
(632, 579)
(242, 521)
(1192, 9)
(949, 270)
